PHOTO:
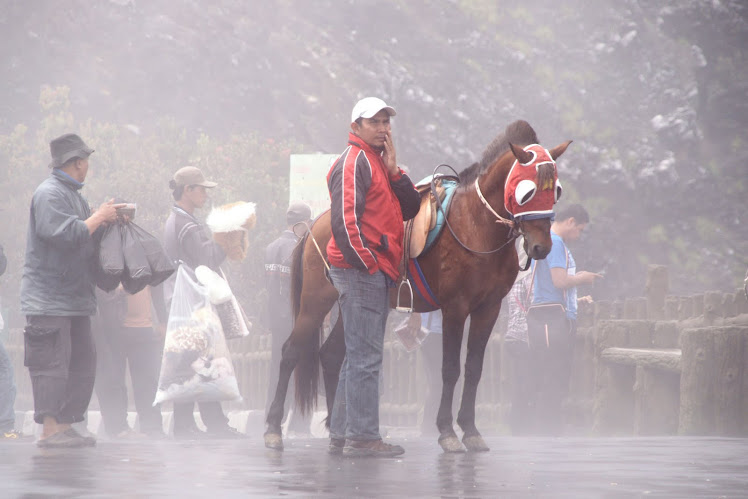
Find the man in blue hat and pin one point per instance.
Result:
(57, 294)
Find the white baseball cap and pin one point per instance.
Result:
(368, 107)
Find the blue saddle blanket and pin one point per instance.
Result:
(450, 186)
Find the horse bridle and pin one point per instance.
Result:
(515, 226)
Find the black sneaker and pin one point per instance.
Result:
(371, 448)
(63, 439)
(225, 432)
(336, 446)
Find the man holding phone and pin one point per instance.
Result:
(552, 321)
(370, 198)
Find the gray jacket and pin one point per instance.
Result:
(188, 241)
(61, 256)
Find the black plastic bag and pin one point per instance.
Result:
(111, 259)
(161, 267)
(137, 273)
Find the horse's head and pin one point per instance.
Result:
(530, 191)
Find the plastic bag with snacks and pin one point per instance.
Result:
(196, 364)
(410, 332)
(235, 324)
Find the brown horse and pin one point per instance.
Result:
(469, 269)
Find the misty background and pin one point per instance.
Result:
(654, 95)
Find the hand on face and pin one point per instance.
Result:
(389, 158)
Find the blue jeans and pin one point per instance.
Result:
(7, 392)
(364, 306)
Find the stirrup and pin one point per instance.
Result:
(399, 288)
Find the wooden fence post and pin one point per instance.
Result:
(685, 307)
(713, 308)
(656, 290)
(656, 402)
(696, 394)
(728, 360)
(698, 305)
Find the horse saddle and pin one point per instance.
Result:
(422, 231)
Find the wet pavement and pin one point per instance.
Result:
(515, 467)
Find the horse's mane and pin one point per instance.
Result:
(519, 133)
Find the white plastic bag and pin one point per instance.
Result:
(410, 335)
(235, 324)
(196, 365)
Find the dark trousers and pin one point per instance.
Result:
(210, 412)
(550, 354)
(523, 401)
(61, 357)
(141, 349)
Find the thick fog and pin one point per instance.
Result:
(652, 94)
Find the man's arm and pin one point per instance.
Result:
(56, 221)
(407, 195)
(562, 279)
(402, 186)
(349, 181)
(199, 250)
(107, 213)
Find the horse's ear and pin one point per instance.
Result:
(559, 149)
(522, 156)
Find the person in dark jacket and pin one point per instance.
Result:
(57, 294)
(278, 285)
(187, 242)
(370, 197)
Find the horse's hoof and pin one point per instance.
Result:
(475, 443)
(451, 444)
(274, 441)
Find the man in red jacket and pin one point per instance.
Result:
(370, 198)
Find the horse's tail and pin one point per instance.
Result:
(297, 275)
(306, 374)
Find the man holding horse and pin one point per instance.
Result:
(370, 198)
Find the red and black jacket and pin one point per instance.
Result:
(368, 208)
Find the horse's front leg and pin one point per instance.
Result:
(331, 356)
(481, 324)
(451, 343)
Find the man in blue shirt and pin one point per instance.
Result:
(551, 320)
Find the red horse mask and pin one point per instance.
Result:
(523, 198)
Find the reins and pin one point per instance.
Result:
(514, 231)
